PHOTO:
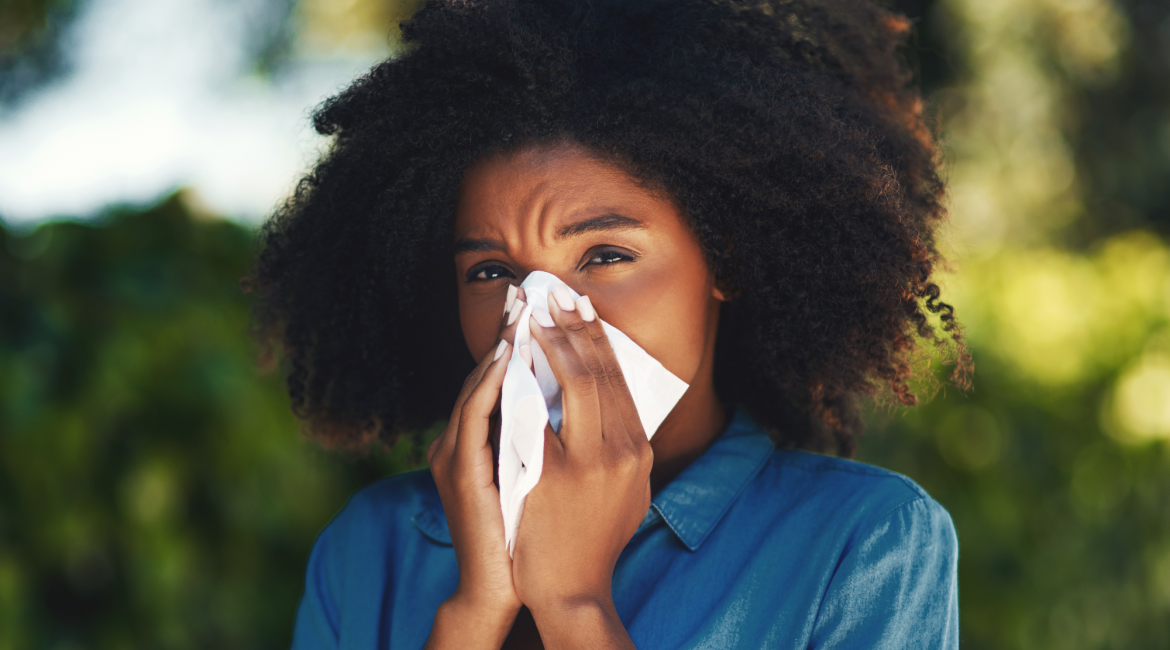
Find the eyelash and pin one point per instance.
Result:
(621, 257)
(604, 258)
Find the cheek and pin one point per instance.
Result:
(479, 316)
(665, 312)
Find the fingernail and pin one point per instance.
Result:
(543, 318)
(500, 349)
(586, 308)
(564, 298)
(510, 299)
(517, 307)
(526, 354)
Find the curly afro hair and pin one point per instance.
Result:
(787, 132)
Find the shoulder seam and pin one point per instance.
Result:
(916, 500)
(834, 464)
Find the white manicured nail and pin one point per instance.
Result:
(543, 318)
(564, 298)
(500, 349)
(586, 308)
(510, 299)
(517, 307)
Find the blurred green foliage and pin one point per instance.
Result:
(22, 21)
(1056, 468)
(154, 489)
(1055, 119)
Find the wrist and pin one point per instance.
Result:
(585, 621)
(485, 607)
(465, 622)
(570, 606)
(575, 612)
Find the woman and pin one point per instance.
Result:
(748, 191)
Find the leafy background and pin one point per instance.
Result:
(155, 491)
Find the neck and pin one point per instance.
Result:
(694, 423)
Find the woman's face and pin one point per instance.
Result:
(559, 210)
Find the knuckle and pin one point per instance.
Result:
(646, 452)
(596, 368)
(435, 448)
(584, 383)
(438, 466)
(575, 326)
(630, 463)
(558, 338)
(646, 457)
(614, 372)
(468, 408)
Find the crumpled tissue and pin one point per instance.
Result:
(531, 398)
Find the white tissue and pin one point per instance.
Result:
(530, 398)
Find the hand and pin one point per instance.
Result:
(594, 489)
(462, 462)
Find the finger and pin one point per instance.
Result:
(445, 442)
(510, 297)
(474, 418)
(433, 448)
(511, 320)
(576, 331)
(581, 417)
(509, 323)
(613, 371)
(514, 302)
(469, 384)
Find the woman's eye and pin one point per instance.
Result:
(610, 257)
(487, 273)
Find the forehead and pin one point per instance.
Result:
(546, 185)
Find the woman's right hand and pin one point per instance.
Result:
(462, 462)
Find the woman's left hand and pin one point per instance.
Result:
(593, 492)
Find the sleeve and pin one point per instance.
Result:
(318, 622)
(896, 585)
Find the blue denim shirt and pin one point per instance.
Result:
(748, 547)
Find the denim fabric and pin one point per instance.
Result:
(749, 547)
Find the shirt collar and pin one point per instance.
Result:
(691, 505)
(698, 498)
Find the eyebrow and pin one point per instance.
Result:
(605, 222)
(609, 221)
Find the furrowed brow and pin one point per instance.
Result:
(604, 222)
(596, 224)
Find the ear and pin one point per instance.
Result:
(722, 294)
(720, 289)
